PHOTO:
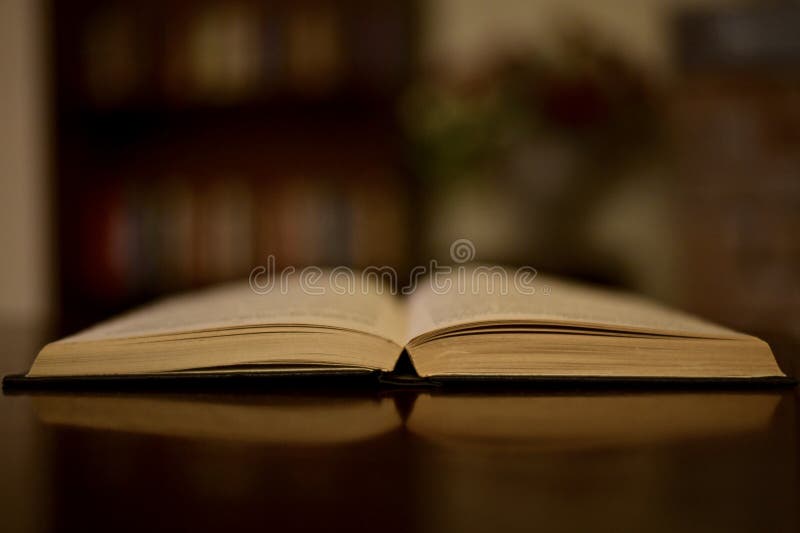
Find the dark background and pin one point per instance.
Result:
(158, 146)
(155, 146)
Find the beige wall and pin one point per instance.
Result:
(464, 33)
(24, 261)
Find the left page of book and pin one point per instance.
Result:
(228, 328)
(238, 305)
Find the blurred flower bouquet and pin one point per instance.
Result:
(519, 157)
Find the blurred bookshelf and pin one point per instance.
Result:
(737, 128)
(194, 139)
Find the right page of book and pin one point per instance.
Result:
(492, 295)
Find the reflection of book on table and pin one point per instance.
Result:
(568, 330)
(299, 420)
(543, 422)
(580, 421)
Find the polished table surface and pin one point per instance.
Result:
(547, 460)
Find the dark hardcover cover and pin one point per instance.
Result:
(367, 379)
(333, 379)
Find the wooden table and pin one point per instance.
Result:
(547, 460)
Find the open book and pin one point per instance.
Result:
(484, 330)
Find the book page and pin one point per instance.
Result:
(493, 295)
(361, 308)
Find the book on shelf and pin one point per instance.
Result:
(464, 326)
(144, 238)
(239, 53)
